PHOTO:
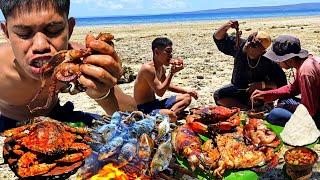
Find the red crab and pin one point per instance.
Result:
(45, 146)
(216, 117)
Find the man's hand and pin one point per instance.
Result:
(176, 65)
(232, 24)
(222, 31)
(254, 86)
(193, 94)
(257, 95)
(100, 72)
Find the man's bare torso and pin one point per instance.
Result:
(16, 88)
(143, 93)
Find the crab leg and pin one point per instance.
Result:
(75, 130)
(28, 166)
(86, 151)
(13, 132)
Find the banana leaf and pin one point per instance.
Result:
(228, 175)
(276, 129)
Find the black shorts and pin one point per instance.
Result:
(232, 91)
(63, 113)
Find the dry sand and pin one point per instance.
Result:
(206, 68)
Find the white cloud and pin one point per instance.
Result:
(112, 5)
(81, 1)
(169, 4)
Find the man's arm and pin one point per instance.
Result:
(117, 100)
(176, 89)
(309, 95)
(149, 75)
(221, 32)
(225, 43)
(286, 91)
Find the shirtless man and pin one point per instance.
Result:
(35, 30)
(152, 80)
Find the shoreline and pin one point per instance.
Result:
(195, 21)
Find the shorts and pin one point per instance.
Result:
(63, 113)
(232, 91)
(154, 107)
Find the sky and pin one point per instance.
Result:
(136, 7)
(103, 8)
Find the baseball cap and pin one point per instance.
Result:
(264, 39)
(285, 47)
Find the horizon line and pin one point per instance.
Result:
(134, 15)
(193, 11)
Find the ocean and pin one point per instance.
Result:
(196, 16)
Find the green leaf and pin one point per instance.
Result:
(240, 175)
(76, 124)
(274, 128)
(312, 145)
(229, 174)
(200, 174)
(203, 137)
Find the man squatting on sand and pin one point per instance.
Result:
(251, 70)
(152, 80)
(35, 30)
(286, 51)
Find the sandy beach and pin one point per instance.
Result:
(206, 68)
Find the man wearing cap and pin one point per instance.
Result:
(251, 70)
(287, 52)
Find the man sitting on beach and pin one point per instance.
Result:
(36, 30)
(287, 52)
(152, 80)
(251, 70)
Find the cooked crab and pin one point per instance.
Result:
(39, 147)
(216, 118)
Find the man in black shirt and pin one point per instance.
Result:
(251, 70)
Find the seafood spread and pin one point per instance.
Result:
(231, 146)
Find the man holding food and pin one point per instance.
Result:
(152, 80)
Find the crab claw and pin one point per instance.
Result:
(198, 127)
(225, 126)
(192, 118)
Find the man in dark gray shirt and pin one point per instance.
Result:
(251, 70)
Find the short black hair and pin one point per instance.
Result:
(161, 43)
(9, 7)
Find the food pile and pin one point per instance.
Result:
(231, 145)
(46, 148)
(300, 156)
(132, 145)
